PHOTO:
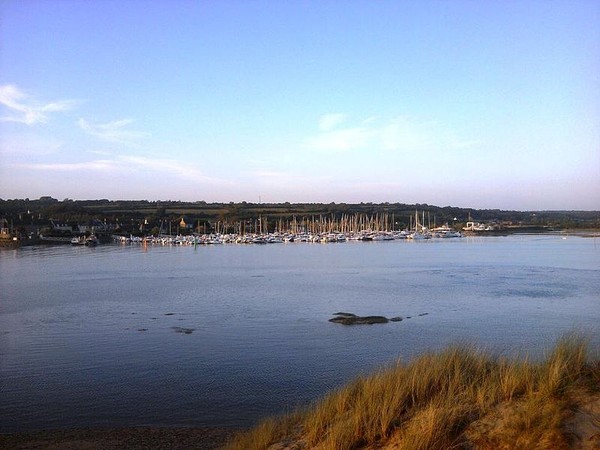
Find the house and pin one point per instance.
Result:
(186, 223)
(60, 226)
(93, 225)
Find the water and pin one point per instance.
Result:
(225, 335)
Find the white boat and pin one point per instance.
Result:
(78, 240)
(420, 231)
(418, 236)
(446, 232)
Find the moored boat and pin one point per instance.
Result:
(80, 240)
(91, 240)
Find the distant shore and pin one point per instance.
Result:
(51, 218)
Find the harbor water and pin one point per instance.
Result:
(224, 335)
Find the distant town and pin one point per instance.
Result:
(48, 220)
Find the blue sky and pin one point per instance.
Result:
(491, 104)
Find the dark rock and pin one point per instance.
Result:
(345, 314)
(183, 330)
(351, 319)
(396, 319)
(423, 314)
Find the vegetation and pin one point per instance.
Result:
(459, 398)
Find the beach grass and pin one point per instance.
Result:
(457, 398)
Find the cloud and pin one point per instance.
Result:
(27, 146)
(23, 109)
(334, 138)
(95, 166)
(341, 140)
(329, 121)
(172, 166)
(287, 178)
(115, 131)
(401, 133)
(100, 152)
(464, 143)
(126, 164)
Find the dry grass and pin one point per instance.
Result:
(457, 398)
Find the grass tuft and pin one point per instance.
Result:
(456, 398)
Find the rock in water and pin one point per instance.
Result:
(352, 319)
(183, 330)
(344, 314)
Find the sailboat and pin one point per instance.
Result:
(420, 231)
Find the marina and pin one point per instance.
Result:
(278, 238)
(356, 228)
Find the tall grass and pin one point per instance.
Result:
(457, 398)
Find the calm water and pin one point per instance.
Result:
(95, 337)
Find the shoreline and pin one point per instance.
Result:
(504, 403)
(133, 438)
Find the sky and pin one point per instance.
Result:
(492, 104)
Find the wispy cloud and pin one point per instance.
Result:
(100, 152)
(126, 164)
(335, 136)
(287, 178)
(116, 131)
(404, 134)
(27, 146)
(22, 108)
(341, 140)
(179, 168)
(329, 121)
(95, 166)
(401, 133)
(456, 143)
